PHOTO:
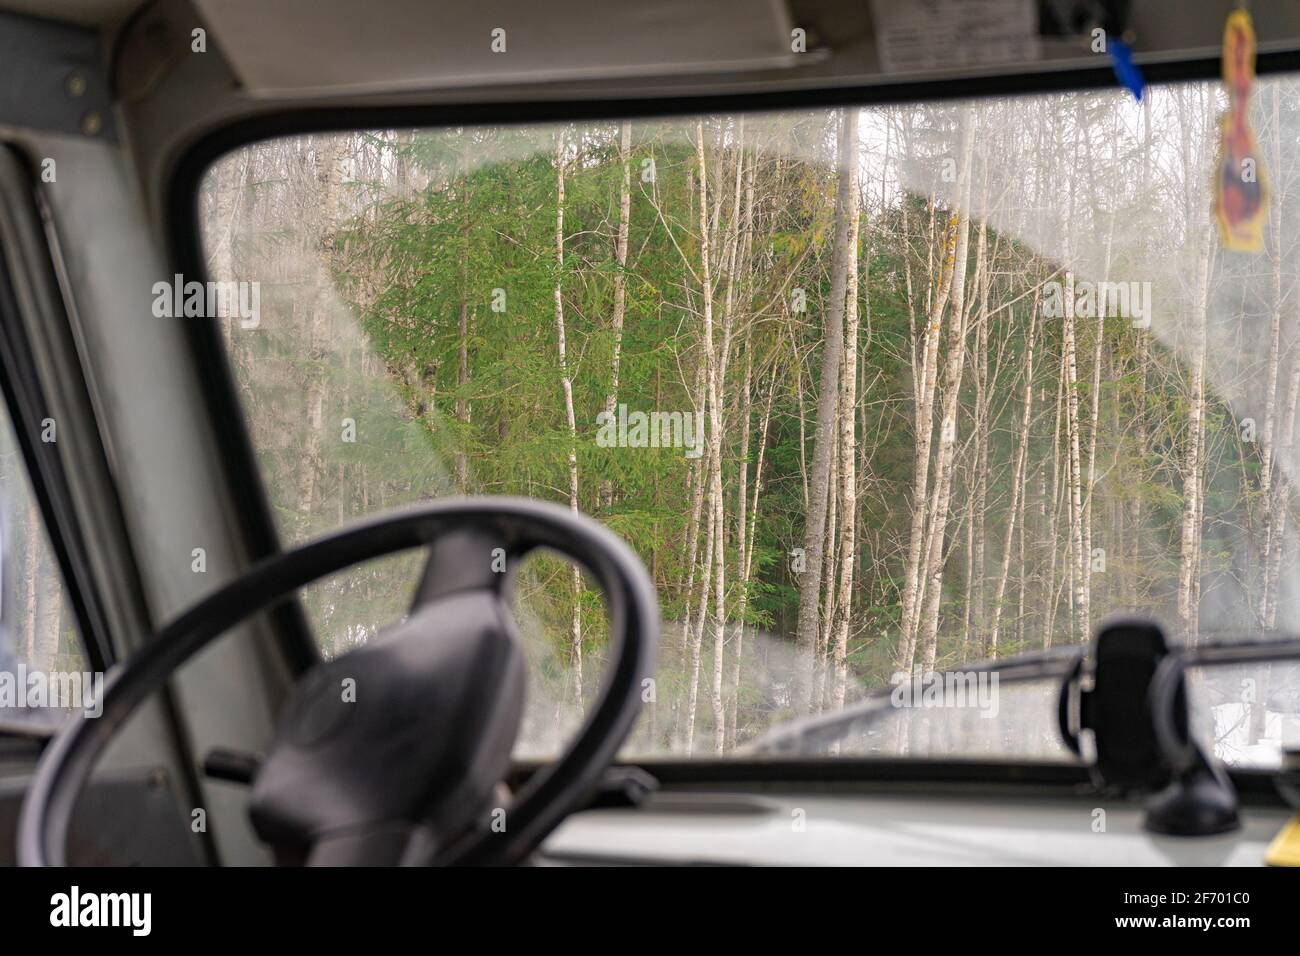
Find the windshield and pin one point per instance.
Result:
(872, 392)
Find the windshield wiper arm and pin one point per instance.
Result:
(809, 734)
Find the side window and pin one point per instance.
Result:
(40, 651)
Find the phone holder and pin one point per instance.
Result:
(1129, 692)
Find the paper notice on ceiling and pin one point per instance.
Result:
(939, 34)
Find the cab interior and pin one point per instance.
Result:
(326, 330)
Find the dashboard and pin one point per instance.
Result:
(792, 828)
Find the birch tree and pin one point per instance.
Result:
(810, 581)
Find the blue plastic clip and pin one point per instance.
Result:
(1127, 72)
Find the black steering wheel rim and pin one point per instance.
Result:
(523, 525)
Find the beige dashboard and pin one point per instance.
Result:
(791, 829)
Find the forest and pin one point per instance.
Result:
(872, 391)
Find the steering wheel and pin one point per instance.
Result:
(395, 752)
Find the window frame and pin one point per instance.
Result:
(31, 299)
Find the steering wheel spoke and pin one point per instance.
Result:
(464, 559)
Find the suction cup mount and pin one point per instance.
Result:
(1130, 694)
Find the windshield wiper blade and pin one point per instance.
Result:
(810, 734)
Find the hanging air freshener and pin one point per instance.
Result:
(1239, 193)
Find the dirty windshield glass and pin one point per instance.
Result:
(872, 392)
